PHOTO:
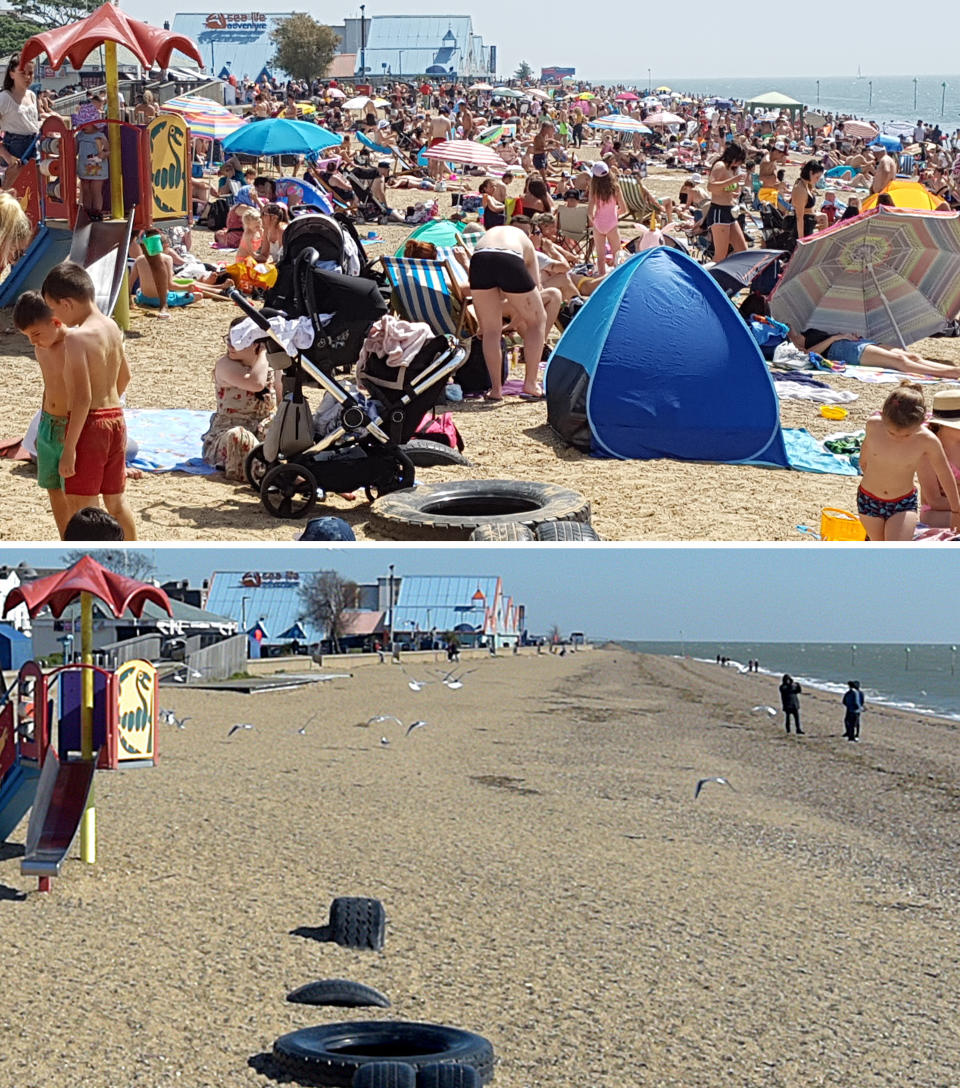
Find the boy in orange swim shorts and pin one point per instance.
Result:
(96, 373)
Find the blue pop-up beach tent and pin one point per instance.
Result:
(658, 363)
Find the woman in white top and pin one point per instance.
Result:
(19, 118)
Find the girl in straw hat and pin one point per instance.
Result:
(945, 424)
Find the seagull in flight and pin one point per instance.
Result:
(704, 781)
(768, 709)
(454, 680)
(414, 685)
(239, 725)
(414, 725)
(303, 728)
(180, 723)
(377, 718)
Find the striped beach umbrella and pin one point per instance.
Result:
(890, 275)
(859, 130)
(468, 153)
(206, 119)
(619, 122)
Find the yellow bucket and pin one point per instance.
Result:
(836, 524)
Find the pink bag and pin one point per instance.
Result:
(440, 429)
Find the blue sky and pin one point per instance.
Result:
(623, 40)
(805, 593)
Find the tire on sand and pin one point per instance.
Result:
(502, 530)
(385, 1075)
(451, 511)
(449, 1076)
(338, 991)
(357, 922)
(331, 1053)
(566, 530)
(425, 453)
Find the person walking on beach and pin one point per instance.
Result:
(853, 703)
(790, 701)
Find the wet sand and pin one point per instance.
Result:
(548, 878)
(172, 363)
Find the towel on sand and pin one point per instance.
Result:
(805, 453)
(169, 439)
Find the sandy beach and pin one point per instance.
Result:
(172, 364)
(548, 878)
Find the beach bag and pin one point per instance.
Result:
(441, 429)
(473, 376)
(769, 334)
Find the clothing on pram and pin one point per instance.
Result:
(395, 340)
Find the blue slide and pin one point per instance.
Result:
(50, 246)
(17, 793)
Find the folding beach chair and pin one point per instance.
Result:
(640, 208)
(422, 292)
(573, 225)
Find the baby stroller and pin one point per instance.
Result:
(292, 469)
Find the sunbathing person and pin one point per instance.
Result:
(856, 351)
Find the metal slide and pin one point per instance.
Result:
(57, 810)
(102, 249)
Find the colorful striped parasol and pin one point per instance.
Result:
(619, 122)
(207, 120)
(859, 130)
(891, 275)
(468, 153)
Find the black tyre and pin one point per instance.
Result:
(448, 1076)
(566, 530)
(385, 1075)
(502, 530)
(255, 467)
(426, 454)
(332, 1053)
(453, 510)
(357, 922)
(339, 991)
(288, 491)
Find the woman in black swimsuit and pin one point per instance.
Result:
(803, 198)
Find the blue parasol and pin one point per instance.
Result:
(278, 136)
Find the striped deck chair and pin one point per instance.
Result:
(640, 208)
(459, 280)
(906, 166)
(422, 292)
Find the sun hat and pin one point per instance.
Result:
(779, 146)
(599, 169)
(946, 407)
(696, 179)
(326, 529)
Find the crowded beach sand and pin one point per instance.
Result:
(172, 363)
(550, 882)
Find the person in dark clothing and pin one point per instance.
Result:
(790, 701)
(853, 703)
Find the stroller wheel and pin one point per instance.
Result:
(255, 467)
(288, 491)
(400, 475)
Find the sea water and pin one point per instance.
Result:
(920, 677)
(875, 98)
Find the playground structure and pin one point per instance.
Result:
(149, 169)
(41, 721)
(103, 719)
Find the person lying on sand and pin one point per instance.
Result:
(856, 351)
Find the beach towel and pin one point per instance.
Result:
(169, 439)
(872, 375)
(806, 454)
(793, 387)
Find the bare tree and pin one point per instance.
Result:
(326, 597)
(132, 564)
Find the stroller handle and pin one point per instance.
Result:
(249, 309)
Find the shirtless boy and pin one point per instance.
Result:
(34, 318)
(96, 373)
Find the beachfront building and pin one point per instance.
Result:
(231, 42)
(419, 45)
(473, 607)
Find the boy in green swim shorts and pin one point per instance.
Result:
(34, 318)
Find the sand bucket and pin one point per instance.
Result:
(836, 524)
(833, 411)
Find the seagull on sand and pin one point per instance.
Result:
(414, 725)
(704, 781)
(180, 723)
(414, 685)
(769, 710)
(303, 728)
(384, 741)
(377, 718)
(454, 680)
(239, 725)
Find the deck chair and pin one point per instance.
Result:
(906, 167)
(459, 279)
(573, 225)
(640, 208)
(422, 292)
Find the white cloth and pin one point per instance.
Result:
(398, 341)
(295, 335)
(800, 391)
(22, 117)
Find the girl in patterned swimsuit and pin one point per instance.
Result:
(897, 446)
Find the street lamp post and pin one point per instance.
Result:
(818, 92)
(906, 654)
(649, 82)
(400, 57)
(943, 96)
(870, 85)
(390, 622)
(953, 660)
(243, 612)
(853, 655)
(363, 40)
(915, 82)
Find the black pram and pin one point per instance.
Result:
(293, 468)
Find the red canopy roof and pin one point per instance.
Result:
(116, 591)
(75, 41)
